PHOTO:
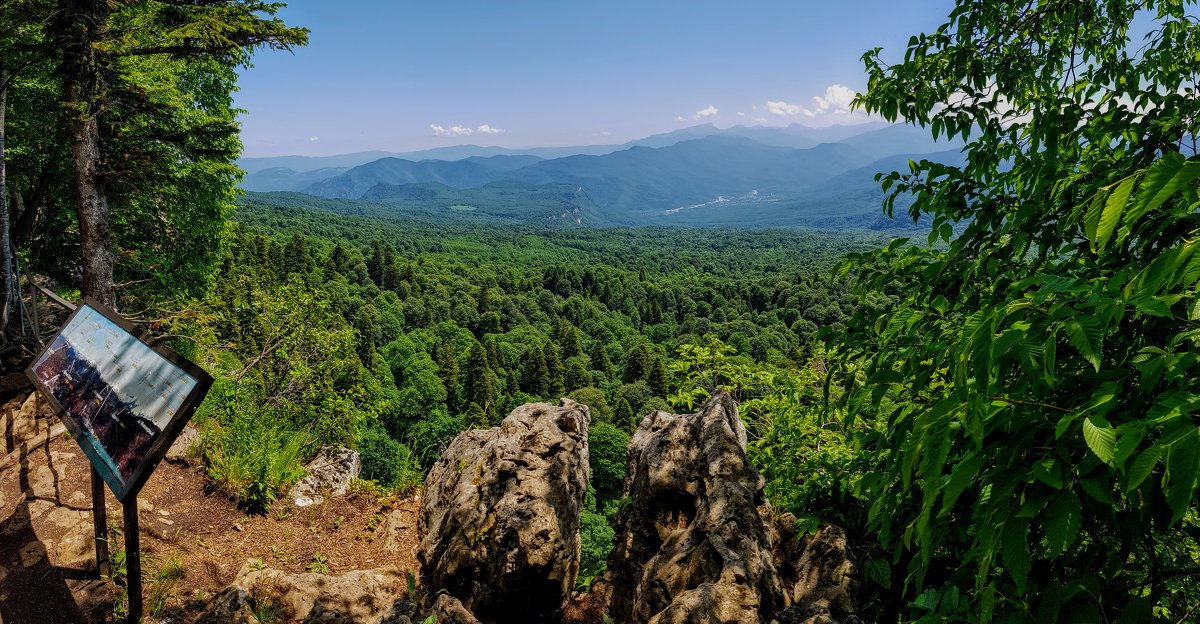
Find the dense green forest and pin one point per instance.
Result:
(1001, 410)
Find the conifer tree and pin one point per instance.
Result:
(554, 370)
(576, 374)
(447, 363)
(656, 377)
(537, 377)
(477, 378)
(623, 415)
(568, 336)
(601, 361)
(637, 364)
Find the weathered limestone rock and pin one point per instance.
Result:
(329, 473)
(360, 596)
(232, 606)
(450, 610)
(819, 572)
(181, 449)
(398, 520)
(691, 544)
(500, 516)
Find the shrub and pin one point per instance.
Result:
(606, 459)
(598, 406)
(595, 542)
(386, 461)
(253, 460)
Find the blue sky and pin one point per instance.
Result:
(406, 75)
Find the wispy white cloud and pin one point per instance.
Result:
(833, 105)
(452, 131)
(679, 118)
(759, 120)
(741, 114)
(603, 133)
(705, 113)
(783, 109)
(487, 129)
(314, 138)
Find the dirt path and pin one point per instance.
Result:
(193, 542)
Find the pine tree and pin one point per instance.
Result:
(637, 364)
(296, 258)
(447, 363)
(623, 415)
(554, 369)
(389, 271)
(339, 258)
(657, 375)
(601, 361)
(576, 374)
(375, 263)
(568, 337)
(537, 377)
(477, 378)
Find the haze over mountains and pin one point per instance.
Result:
(750, 176)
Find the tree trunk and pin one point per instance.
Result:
(6, 282)
(83, 21)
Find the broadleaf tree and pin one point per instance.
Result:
(1036, 390)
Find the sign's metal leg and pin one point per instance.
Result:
(100, 524)
(133, 560)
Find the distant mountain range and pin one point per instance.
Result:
(742, 176)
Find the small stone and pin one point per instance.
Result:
(164, 513)
(32, 553)
(166, 522)
(236, 527)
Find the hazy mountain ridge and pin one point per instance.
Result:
(699, 176)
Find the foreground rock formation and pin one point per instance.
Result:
(694, 542)
(330, 472)
(361, 597)
(499, 522)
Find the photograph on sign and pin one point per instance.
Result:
(115, 393)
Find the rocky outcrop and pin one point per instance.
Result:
(359, 597)
(693, 544)
(500, 516)
(330, 473)
(818, 572)
(183, 449)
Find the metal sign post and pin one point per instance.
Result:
(124, 398)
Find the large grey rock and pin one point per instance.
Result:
(693, 543)
(182, 450)
(500, 517)
(358, 596)
(330, 473)
(819, 570)
(450, 610)
(233, 605)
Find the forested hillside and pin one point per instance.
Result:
(988, 379)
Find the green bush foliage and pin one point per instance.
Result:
(386, 461)
(595, 541)
(1033, 397)
(607, 445)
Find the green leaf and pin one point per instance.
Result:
(1014, 547)
(1047, 471)
(1062, 521)
(1167, 176)
(964, 473)
(1183, 467)
(1111, 215)
(1102, 440)
(1142, 467)
(1086, 334)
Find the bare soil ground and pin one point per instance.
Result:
(193, 541)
